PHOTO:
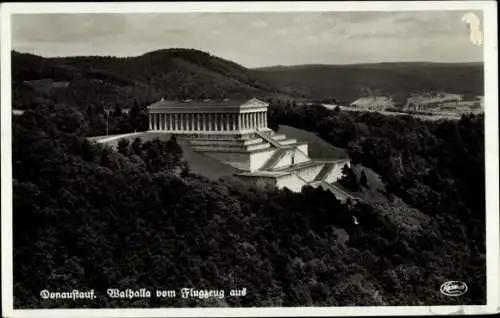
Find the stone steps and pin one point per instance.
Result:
(287, 142)
(225, 142)
(232, 147)
(216, 136)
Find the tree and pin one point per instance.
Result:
(88, 151)
(363, 180)
(117, 112)
(124, 147)
(137, 146)
(185, 169)
(349, 180)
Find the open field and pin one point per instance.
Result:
(449, 116)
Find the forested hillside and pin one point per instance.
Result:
(171, 73)
(87, 217)
(346, 83)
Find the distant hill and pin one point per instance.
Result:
(192, 74)
(170, 73)
(348, 82)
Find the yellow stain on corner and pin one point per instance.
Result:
(473, 23)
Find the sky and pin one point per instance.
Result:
(255, 39)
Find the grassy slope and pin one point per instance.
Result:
(318, 148)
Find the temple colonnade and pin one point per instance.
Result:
(206, 121)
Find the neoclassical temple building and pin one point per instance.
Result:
(235, 133)
(208, 116)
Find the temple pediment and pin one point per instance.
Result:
(207, 105)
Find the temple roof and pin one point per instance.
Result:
(207, 104)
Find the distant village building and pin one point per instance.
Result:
(236, 134)
(379, 103)
(17, 112)
(426, 102)
(480, 101)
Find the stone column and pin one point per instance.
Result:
(209, 121)
(219, 122)
(265, 119)
(155, 126)
(162, 116)
(254, 121)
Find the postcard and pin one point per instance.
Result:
(249, 159)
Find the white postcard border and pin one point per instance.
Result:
(491, 147)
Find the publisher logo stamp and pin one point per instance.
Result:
(453, 288)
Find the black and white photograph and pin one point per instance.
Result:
(220, 157)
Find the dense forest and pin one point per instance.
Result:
(88, 217)
(109, 82)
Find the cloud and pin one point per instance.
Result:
(259, 24)
(254, 39)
